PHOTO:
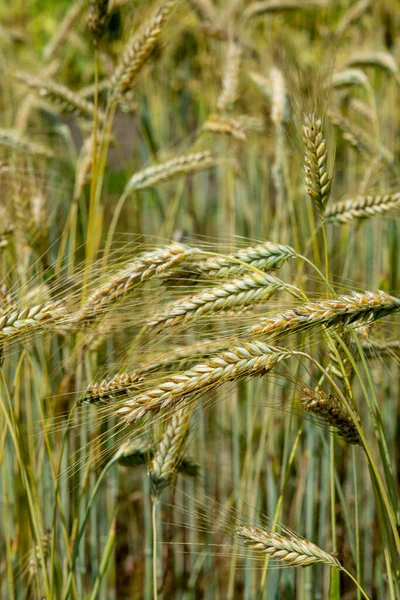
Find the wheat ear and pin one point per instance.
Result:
(61, 96)
(109, 389)
(232, 295)
(15, 141)
(268, 256)
(138, 49)
(318, 181)
(164, 171)
(146, 266)
(292, 550)
(363, 308)
(97, 19)
(168, 453)
(332, 411)
(230, 81)
(248, 360)
(137, 454)
(361, 207)
(31, 319)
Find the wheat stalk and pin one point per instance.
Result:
(361, 207)
(138, 49)
(150, 176)
(233, 295)
(292, 550)
(342, 310)
(168, 452)
(147, 265)
(64, 98)
(248, 360)
(318, 182)
(331, 410)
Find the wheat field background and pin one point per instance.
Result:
(199, 299)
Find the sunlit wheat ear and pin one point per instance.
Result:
(13, 140)
(164, 171)
(332, 411)
(147, 265)
(318, 182)
(343, 310)
(138, 49)
(62, 97)
(291, 550)
(168, 453)
(362, 207)
(32, 319)
(265, 257)
(248, 360)
(97, 19)
(235, 294)
(230, 81)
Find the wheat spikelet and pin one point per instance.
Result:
(332, 411)
(31, 319)
(137, 454)
(225, 125)
(64, 98)
(146, 266)
(318, 182)
(138, 49)
(248, 360)
(168, 452)
(15, 141)
(232, 295)
(230, 81)
(97, 19)
(292, 550)
(163, 171)
(343, 310)
(268, 256)
(111, 389)
(361, 207)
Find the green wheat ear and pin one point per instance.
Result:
(317, 180)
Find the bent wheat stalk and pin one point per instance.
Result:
(248, 360)
(357, 307)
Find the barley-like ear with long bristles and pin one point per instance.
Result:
(147, 265)
(318, 181)
(168, 452)
(138, 49)
(32, 319)
(332, 411)
(343, 310)
(251, 359)
(235, 294)
(292, 550)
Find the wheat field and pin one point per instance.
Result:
(200, 300)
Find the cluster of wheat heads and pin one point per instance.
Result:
(199, 299)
